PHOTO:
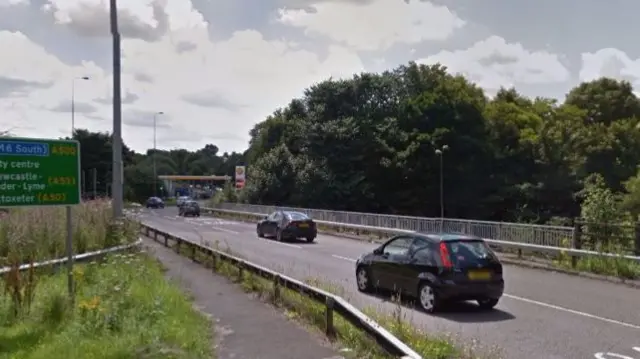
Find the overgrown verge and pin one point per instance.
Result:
(124, 308)
(35, 234)
(608, 266)
(312, 313)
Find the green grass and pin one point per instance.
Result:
(312, 313)
(35, 234)
(614, 267)
(124, 308)
(608, 266)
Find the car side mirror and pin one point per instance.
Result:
(377, 251)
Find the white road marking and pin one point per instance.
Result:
(563, 309)
(280, 243)
(551, 306)
(344, 258)
(611, 355)
(636, 349)
(225, 230)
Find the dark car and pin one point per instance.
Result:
(434, 268)
(189, 208)
(155, 202)
(287, 225)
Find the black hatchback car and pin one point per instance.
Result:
(189, 208)
(434, 268)
(287, 225)
(155, 202)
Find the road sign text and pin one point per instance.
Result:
(35, 172)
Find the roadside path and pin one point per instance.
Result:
(245, 327)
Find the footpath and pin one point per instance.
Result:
(245, 327)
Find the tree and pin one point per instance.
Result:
(368, 144)
(96, 153)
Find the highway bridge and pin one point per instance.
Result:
(543, 315)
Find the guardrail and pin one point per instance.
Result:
(512, 232)
(77, 258)
(333, 303)
(495, 243)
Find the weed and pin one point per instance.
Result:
(125, 309)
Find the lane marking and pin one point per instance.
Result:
(225, 230)
(547, 305)
(636, 349)
(576, 312)
(611, 355)
(344, 258)
(266, 240)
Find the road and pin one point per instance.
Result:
(542, 315)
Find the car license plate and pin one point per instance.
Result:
(479, 275)
(303, 225)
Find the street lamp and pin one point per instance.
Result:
(155, 170)
(69, 241)
(440, 153)
(73, 101)
(117, 181)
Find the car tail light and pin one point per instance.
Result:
(444, 255)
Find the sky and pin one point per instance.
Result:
(215, 68)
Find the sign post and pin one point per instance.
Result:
(41, 172)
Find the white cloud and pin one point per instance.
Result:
(377, 25)
(493, 62)
(7, 3)
(609, 62)
(245, 70)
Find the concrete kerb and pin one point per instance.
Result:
(511, 261)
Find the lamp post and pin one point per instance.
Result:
(69, 240)
(155, 170)
(73, 102)
(440, 153)
(117, 179)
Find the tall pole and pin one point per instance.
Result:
(155, 170)
(73, 106)
(441, 186)
(117, 181)
(440, 153)
(69, 240)
(95, 183)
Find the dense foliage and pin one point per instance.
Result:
(96, 155)
(369, 144)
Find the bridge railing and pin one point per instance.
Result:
(554, 236)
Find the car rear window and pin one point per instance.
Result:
(469, 252)
(297, 216)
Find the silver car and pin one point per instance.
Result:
(181, 200)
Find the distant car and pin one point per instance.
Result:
(155, 202)
(182, 199)
(284, 225)
(189, 208)
(435, 269)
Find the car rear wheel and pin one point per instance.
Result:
(310, 239)
(260, 234)
(279, 235)
(363, 279)
(487, 303)
(428, 298)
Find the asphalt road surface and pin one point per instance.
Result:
(542, 315)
